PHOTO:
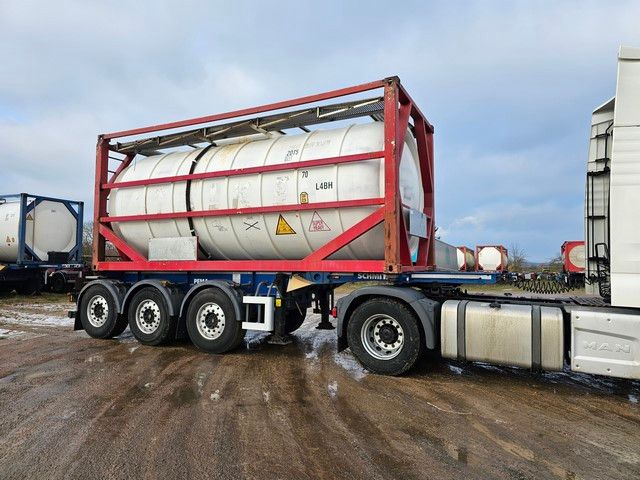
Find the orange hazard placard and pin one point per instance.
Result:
(283, 228)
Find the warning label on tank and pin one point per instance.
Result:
(29, 217)
(318, 224)
(283, 228)
(250, 225)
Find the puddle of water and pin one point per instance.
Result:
(347, 361)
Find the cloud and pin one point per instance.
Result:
(508, 85)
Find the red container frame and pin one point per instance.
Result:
(399, 108)
(501, 249)
(464, 251)
(565, 249)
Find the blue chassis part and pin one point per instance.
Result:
(40, 266)
(255, 283)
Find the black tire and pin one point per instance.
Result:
(98, 321)
(155, 326)
(217, 333)
(293, 319)
(380, 317)
(57, 283)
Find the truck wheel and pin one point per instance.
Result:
(212, 323)
(384, 335)
(99, 315)
(149, 318)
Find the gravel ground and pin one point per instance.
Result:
(75, 407)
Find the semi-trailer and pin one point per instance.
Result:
(40, 243)
(232, 222)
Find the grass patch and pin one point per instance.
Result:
(13, 298)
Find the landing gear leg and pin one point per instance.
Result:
(325, 301)
(280, 335)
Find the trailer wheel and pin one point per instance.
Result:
(384, 335)
(212, 323)
(149, 318)
(99, 315)
(58, 283)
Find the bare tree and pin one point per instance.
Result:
(87, 244)
(556, 264)
(517, 258)
(87, 239)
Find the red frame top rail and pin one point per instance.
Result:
(341, 92)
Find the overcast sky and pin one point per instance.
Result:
(508, 85)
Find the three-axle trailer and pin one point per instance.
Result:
(166, 285)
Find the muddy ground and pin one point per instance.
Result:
(74, 407)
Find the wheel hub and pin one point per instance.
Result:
(97, 311)
(148, 316)
(388, 334)
(210, 321)
(382, 336)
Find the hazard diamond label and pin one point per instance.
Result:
(318, 224)
(283, 228)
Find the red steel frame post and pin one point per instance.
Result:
(398, 108)
(99, 200)
(392, 210)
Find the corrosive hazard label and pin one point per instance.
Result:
(318, 224)
(283, 228)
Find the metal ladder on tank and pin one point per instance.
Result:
(600, 250)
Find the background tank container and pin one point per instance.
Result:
(466, 259)
(573, 256)
(492, 258)
(286, 235)
(50, 227)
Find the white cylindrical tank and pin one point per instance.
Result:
(492, 258)
(466, 259)
(278, 235)
(50, 227)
